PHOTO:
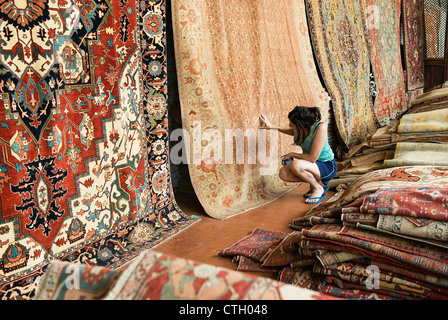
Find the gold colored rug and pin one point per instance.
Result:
(419, 153)
(235, 59)
(340, 44)
(425, 123)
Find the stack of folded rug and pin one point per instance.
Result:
(384, 237)
(417, 137)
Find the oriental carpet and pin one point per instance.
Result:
(369, 183)
(418, 153)
(256, 245)
(424, 124)
(383, 29)
(235, 59)
(340, 46)
(84, 175)
(156, 276)
(412, 16)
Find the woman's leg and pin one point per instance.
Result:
(304, 171)
(287, 175)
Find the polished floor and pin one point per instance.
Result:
(204, 239)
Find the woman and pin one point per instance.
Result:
(316, 164)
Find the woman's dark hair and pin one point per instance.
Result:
(304, 118)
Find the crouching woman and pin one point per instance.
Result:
(316, 165)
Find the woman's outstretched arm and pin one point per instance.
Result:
(266, 124)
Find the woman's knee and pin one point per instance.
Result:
(283, 174)
(297, 166)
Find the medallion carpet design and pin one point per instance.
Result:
(84, 174)
(340, 46)
(385, 56)
(236, 59)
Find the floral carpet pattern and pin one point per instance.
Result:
(236, 59)
(385, 56)
(382, 238)
(340, 46)
(156, 276)
(82, 95)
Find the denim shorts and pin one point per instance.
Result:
(327, 169)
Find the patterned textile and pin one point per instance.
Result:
(429, 122)
(285, 252)
(412, 12)
(62, 278)
(255, 245)
(236, 58)
(413, 212)
(419, 202)
(438, 284)
(428, 106)
(385, 54)
(83, 127)
(435, 24)
(353, 218)
(248, 264)
(393, 284)
(410, 251)
(328, 257)
(432, 95)
(304, 278)
(418, 153)
(421, 228)
(401, 177)
(383, 247)
(268, 251)
(411, 95)
(418, 138)
(395, 218)
(155, 276)
(340, 46)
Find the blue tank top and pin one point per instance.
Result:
(326, 154)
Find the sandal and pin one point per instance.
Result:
(322, 197)
(307, 195)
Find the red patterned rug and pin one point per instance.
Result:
(255, 245)
(84, 171)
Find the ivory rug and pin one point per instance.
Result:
(235, 59)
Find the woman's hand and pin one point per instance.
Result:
(264, 122)
(286, 159)
(290, 155)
